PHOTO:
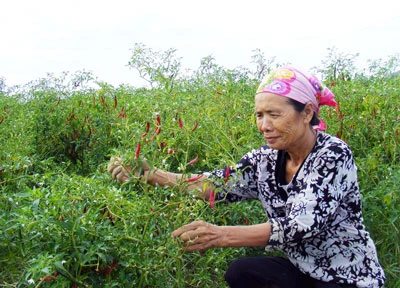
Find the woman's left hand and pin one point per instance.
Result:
(199, 235)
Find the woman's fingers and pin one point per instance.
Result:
(198, 235)
(122, 176)
(117, 170)
(188, 228)
(114, 162)
(119, 173)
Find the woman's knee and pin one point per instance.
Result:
(264, 272)
(243, 272)
(235, 269)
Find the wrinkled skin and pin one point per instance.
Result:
(199, 235)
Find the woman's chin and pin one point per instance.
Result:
(273, 143)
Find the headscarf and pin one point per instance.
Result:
(300, 86)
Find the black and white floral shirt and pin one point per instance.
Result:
(316, 219)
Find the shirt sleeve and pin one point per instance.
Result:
(240, 182)
(315, 198)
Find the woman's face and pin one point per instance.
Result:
(281, 125)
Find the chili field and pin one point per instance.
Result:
(65, 223)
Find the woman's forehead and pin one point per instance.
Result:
(268, 99)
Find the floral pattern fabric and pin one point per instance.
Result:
(318, 223)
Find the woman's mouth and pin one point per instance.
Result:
(271, 139)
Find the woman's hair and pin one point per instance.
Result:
(299, 107)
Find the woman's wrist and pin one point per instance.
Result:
(160, 177)
(145, 175)
(153, 177)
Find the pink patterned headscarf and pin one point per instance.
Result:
(300, 86)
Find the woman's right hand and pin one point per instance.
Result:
(117, 170)
(123, 173)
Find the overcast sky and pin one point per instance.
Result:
(43, 36)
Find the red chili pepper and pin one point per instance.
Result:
(162, 145)
(84, 121)
(48, 278)
(112, 266)
(193, 160)
(171, 151)
(158, 130)
(227, 173)
(195, 126)
(338, 112)
(137, 153)
(194, 179)
(180, 123)
(122, 113)
(147, 126)
(107, 271)
(115, 102)
(158, 120)
(75, 136)
(212, 199)
(69, 117)
(111, 217)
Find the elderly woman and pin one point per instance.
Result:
(307, 183)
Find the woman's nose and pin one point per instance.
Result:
(265, 125)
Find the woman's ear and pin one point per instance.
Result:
(308, 112)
